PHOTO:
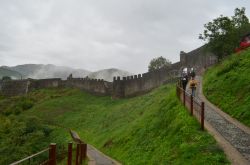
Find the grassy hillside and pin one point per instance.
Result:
(227, 85)
(151, 129)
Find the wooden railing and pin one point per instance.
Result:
(53, 155)
(193, 104)
(50, 161)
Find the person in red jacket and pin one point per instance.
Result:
(245, 43)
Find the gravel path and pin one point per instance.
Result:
(237, 137)
(99, 158)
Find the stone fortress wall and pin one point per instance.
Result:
(120, 87)
(20, 87)
(93, 86)
(198, 58)
(142, 83)
(14, 87)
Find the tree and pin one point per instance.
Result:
(158, 63)
(223, 33)
(6, 78)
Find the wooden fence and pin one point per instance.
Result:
(54, 156)
(193, 104)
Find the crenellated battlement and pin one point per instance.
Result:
(121, 86)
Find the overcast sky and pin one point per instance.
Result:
(98, 34)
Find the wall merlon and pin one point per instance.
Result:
(119, 88)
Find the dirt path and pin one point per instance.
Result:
(233, 136)
(98, 158)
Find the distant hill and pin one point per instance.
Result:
(6, 72)
(108, 74)
(40, 71)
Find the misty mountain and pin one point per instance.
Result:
(10, 73)
(108, 74)
(40, 71)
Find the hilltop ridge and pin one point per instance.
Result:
(41, 71)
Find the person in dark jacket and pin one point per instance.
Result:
(192, 73)
(184, 81)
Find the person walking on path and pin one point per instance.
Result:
(193, 84)
(192, 73)
(184, 81)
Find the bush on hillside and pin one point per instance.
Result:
(16, 105)
(21, 137)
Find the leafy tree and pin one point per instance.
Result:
(223, 33)
(6, 78)
(158, 63)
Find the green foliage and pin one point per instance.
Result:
(15, 105)
(150, 129)
(223, 33)
(158, 63)
(20, 137)
(6, 78)
(227, 86)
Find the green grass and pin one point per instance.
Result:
(227, 85)
(146, 130)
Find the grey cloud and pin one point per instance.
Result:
(94, 34)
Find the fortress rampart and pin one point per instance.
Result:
(94, 86)
(142, 83)
(120, 87)
(14, 87)
(20, 87)
(198, 58)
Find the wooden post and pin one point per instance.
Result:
(202, 115)
(177, 90)
(192, 105)
(81, 152)
(184, 97)
(84, 151)
(77, 153)
(70, 153)
(52, 154)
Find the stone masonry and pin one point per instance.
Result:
(120, 87)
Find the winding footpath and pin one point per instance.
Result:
(231, 135)
(98, 158)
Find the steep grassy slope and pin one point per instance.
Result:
(227, 85)
(151, 129)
